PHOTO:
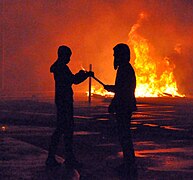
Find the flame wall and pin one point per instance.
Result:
(32, 32)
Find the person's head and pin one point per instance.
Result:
(64, 54)
(121, 55)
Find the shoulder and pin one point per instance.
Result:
(127, 68)
(66, 68)
(130, 68)
(53, 67)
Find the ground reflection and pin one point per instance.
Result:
(103, 119)
(163, 159)
(172, 128)
(106, 145)
(173, 163)
(3, 128)
(168, 159)
(151, 125)
(80, 133)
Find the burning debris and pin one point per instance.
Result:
(151, 82)
(155, 77)
(101, 92)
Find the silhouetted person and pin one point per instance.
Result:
(124, 103)
(64, 103)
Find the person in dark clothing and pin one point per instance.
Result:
(64, 79)
(124, 102)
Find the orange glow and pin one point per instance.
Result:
(82, 68)
(149, 83)
(154, 74)
(3, 128)
(101, 92)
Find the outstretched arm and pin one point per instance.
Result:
(82, 76)
(110, 88)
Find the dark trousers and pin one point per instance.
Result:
(124, 132)
(65, 127)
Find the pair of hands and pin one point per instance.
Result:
(88, 73)
(111, 108)
(91, 74)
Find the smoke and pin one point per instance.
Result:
(32, 32)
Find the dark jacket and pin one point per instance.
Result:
(124, 99)
(64, 79)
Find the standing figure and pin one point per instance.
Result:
(124, 102)
(64, 103)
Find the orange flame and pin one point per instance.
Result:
(83, 68)
(100, 92)
(152, 81)
(149, 83)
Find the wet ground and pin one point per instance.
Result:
(162, 130)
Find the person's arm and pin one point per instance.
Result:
(82, 76)
(70, 78)
(110, 88)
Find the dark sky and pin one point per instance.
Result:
(33, 30)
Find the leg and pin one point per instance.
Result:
(68, 143)
(128, 168)
(55, 138)
(68, 129)
(70, 159)
(123, 122)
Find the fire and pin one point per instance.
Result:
(83, 68)
(101, 92)
(154, 75)
(150, 81)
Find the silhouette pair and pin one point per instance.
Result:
(123, 105)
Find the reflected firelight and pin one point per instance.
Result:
(4, 128)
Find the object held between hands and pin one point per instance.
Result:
(99, 81)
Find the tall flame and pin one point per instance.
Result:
(149, 83)
(154, 75)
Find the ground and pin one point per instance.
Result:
(161, 129)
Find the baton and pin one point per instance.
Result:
(98, 81)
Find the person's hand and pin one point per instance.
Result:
(81, 72)
(90, 74)
(107, 87)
